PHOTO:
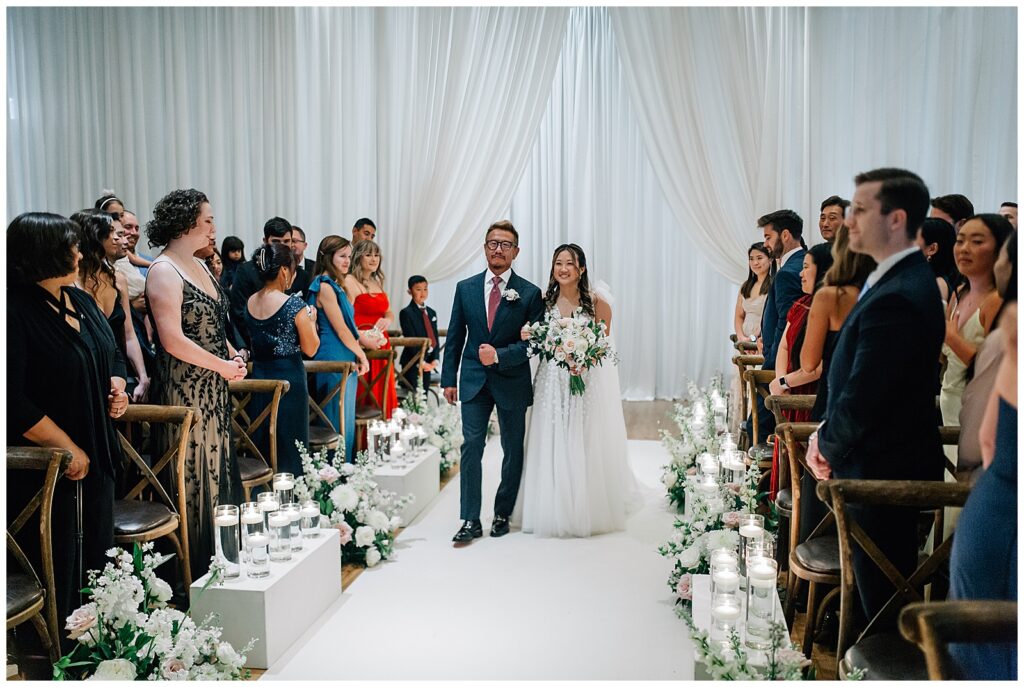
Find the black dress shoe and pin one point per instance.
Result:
(470, 530)
(499, 528)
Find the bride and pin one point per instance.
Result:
(576, 481)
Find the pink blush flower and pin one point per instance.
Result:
(345, 531)
(684, 589)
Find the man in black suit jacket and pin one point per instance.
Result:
(418, 319)
(880, 419)
(783, 230)
(303, 266)
(247, 278)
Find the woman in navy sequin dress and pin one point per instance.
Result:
(282, 328)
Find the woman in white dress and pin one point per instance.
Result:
(576, 480)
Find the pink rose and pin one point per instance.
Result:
(328, 474)
(173, 668)
(683, 590)
(346, 532)
(732, 519)
(81, 621)
(734, 487)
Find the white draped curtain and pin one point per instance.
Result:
(654, 137)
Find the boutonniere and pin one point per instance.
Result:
(511, 295)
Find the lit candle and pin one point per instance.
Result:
(225, 520)
(309, 511)
(762, 573)
(726, 581)
(258, 540)
(251, 518)
(726, 613)
(280, 520)
(268, 505)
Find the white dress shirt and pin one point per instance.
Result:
(787, 256)
(132, 276)
(887, 265)
(488, 285)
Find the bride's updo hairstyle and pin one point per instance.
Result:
(586, 301)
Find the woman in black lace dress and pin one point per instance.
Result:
(194, 359)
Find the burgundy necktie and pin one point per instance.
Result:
(430, 330)
(492, 301)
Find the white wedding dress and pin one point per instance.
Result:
(576, 479)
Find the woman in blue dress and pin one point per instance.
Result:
(340, 339)
(282, 327)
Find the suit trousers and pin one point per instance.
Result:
(475, 415)
(895, 531)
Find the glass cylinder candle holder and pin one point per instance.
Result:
(255, 540)
(294, 513)
(310, 523)
(725, 577)
(762, 577)
(726, 610)
(284, 487)
(228, 539)
(751, 528)
(269, 504)
(280, 537)
(763, 547)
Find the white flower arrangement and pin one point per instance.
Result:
(511, 295)
(442, 423)
(127, 632)
(576, 343)
(698, 425)
(364, 514)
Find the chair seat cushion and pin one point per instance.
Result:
(253, 468)
(135, 517)
(367, 412)
(22, 592)
(886, 656)
(322, 436)
(784, 501)
(760, 452)
(820, 554)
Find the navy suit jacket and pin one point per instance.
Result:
(412, 325)
(509, 381)
(881, 422)
(783, 293)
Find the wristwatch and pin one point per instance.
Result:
(753, 338)
(782, 383)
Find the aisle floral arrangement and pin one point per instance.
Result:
(127, 632)
(442, 423)
(698, 424)
(364, 514)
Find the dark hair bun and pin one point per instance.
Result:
(270, 258)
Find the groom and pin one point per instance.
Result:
(489, 311)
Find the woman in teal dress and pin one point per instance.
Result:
(340, 339)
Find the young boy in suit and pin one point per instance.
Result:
(417, 319)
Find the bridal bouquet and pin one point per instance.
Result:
(364, 514)
(575, 343)
(127, 632)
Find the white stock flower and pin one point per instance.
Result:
(364, 536)
(344, 497)
(347, 470)
(372, 556)
(689, 557)
(114, 669)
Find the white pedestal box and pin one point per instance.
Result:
(275, 610)
(422, 478)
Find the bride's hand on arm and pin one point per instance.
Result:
(524, 333)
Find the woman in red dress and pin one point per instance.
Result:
(364, 286)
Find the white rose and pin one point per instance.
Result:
(344, 497)
(80, 622)
(720, 539)
(160, 589)
(328, 474)
(115, 669)
(436, 440)
(364, 536)
(569, 345)
(372, 557)
(396, 522)
(689, 557)
(560, 355)
(226, 653)
(669, 479)
(378, 521)
(173, 669)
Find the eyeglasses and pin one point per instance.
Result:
(494, 245)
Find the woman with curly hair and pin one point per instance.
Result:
(195, 361)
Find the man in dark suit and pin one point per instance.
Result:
(247, 279)
(303, 265)
(488, 314)
(880, 419)
(419, 320)
(783, 230)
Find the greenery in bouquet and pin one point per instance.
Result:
(576, 343)
(127, 631)
(365, 515)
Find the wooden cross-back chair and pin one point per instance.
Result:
(744, 363)
(256, 466)
(884, 655)
(147, 511)
(421, 343)
(757, 385)
(322, 432)
(31, 598)
(368, 406)
(779, 405)
(935, 625)
(442, 335)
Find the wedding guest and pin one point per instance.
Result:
(112, 205)
(247, 279)
(304, 266)
(972, 307)
(232, 251)
(282, 328)
(887, 350)
(363, 230)
(783, 236)
(364, 286)
(135, 278)
(936, 239)
(419, 320)
(102, 243)
(954, 208)
(833, 212)
(195, 362)
(1008, 210)
(340, 338)
(65, 381)
(206, 254)
(986, 363)
(983, 563)
(215, 264)
(753, 293)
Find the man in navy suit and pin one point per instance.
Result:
(419, 320)
(880, 420)
(489, 311)
(783, 230)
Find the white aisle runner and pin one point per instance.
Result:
(518, 607)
